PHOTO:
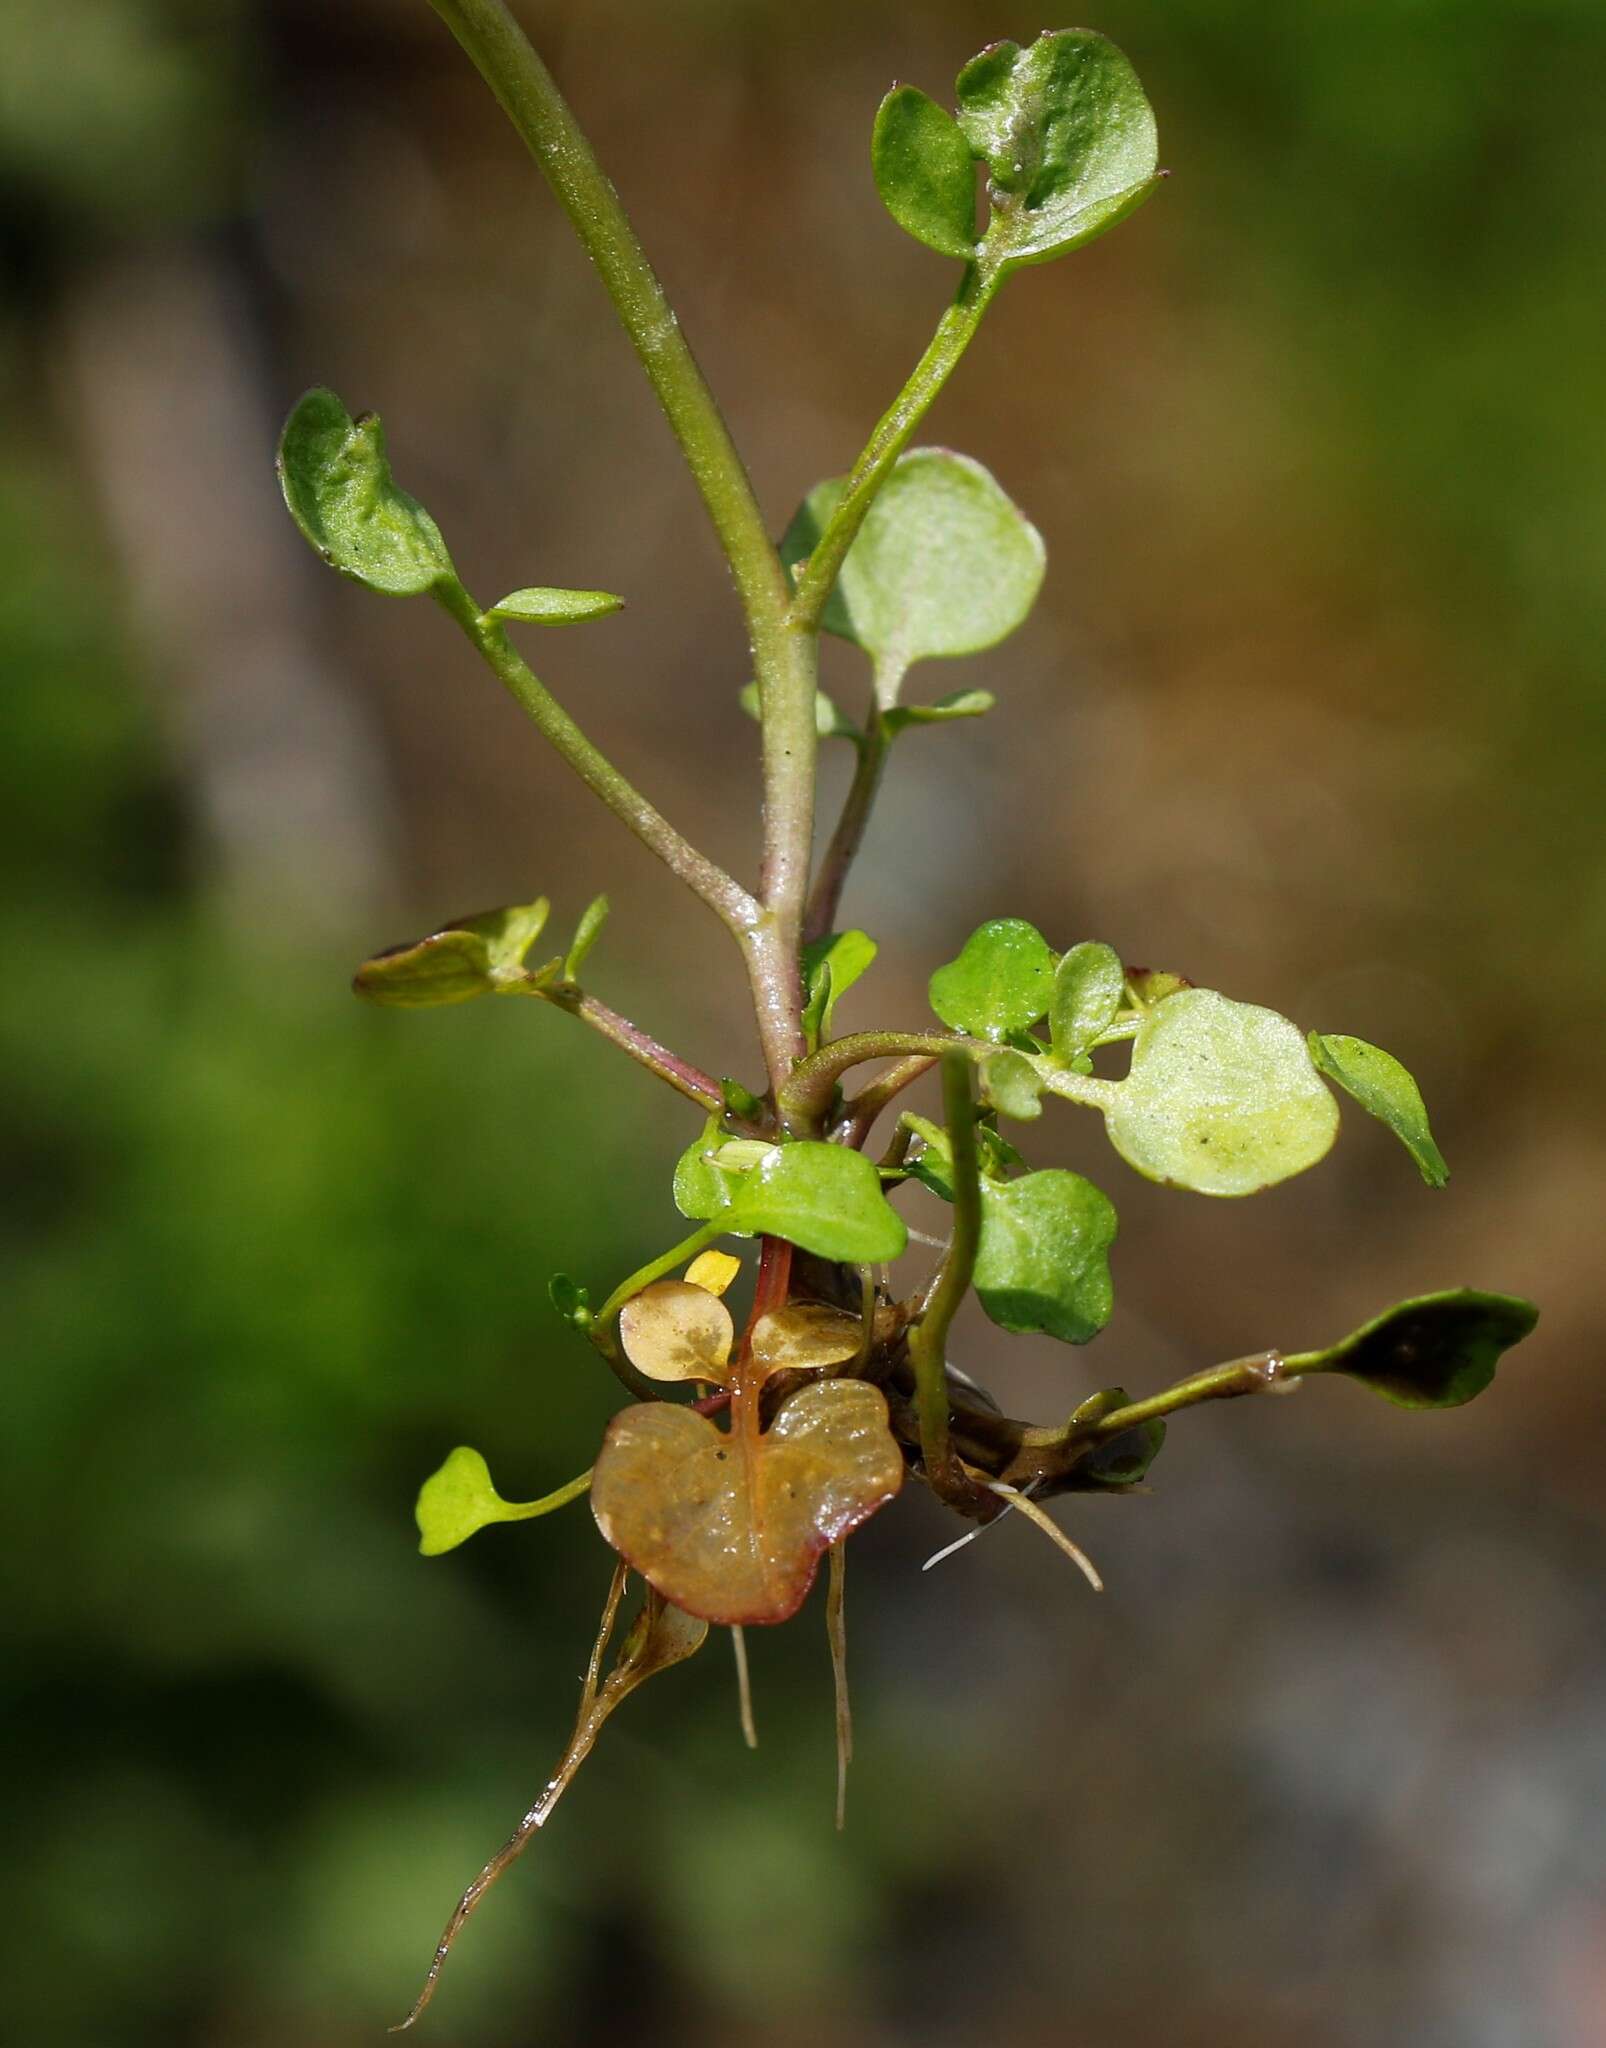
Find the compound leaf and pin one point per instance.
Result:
(340, 492)
(1386, 1090)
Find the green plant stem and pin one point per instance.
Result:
(859, 1116)
(1263, 1373)
(530, 1510)
(681, 1075)
(785, 660)
(723, 895)
(954, 334)
(808, 1094)
(655, 1269)
(928, 1342)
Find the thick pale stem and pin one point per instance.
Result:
(807, 1095)
(784, 659)
(892, 435)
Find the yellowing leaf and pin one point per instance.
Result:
(804, 1336)
(714, 1270)
(675, 1330)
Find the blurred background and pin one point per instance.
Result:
(1311, 711)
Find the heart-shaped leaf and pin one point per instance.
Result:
(1043, 1262)
(1436, 1351)
(676, 1330)
(1002, 981)
(476, 956)
(961, 704)
(1088, 986)
(459, 1499)
(945, 564)
(1386, 1090)
(924, 173)
(830, 968)
(731, 1528)
(541, 607)
(822, 1197)
(1067, 135)
(1222, 1098)
(338, 486)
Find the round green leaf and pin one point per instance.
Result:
(1068, 138)
(540, 607)
(924, 173)
(459, 1499)
(1043, 1261)
(476, 956)
(1222, 1097)
(1436, 1351)
(822, 1197)
(1012, 1085)
(945, 564)
(338, 486)
(1002, 981)
(1386, 1090)
(1088, 986)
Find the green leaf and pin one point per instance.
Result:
(541, 607)
(945, 564)
(338, 486)
(1088, 986)
(1002, 981)
(933, 1164)
(1043, 1262)
(586, 934)
(1067, 135)
(571, 1300)
(924, 173)
(1147, 986)
(701, 1189)
(477, 956)
(1222, 1098)
(459, 1499)
(739, 1101)
(961, 704)
(1436, 1351)
(1012, 1086)
(822, 1197)
(1118, 1460)
(830, 968)
(829, 723)
(1386, 1090)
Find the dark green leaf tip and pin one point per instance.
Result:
(924, 173)
(340, 492)
(1436, 1351)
